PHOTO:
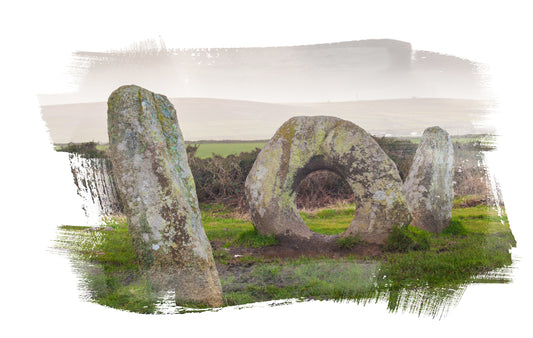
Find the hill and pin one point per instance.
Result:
(342, 71)
(219, 119)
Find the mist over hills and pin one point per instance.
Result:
(218, 119)
(342, 71)
(382, 85)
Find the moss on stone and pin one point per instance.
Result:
(315, 143)
(154, 180)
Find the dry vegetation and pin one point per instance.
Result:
(221, 179)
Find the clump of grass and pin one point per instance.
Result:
(456, 228)
(348, 242)
(407, 238)
(253, 239)
(448, 262)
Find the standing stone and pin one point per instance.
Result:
(306, 144)
(157, 188)
(429, 185)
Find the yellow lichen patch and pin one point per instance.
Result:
(154, 180)
(307, 144)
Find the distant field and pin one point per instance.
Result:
(461, 139)
(224, 149)
(206, 149)
(227, 148)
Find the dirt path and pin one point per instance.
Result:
(284, 250)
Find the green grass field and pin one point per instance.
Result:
(478, 244)
(224, 149)
(205, 150)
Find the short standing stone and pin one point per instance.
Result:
(429, 185)
(306, 144)
(159, 196)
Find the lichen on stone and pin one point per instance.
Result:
(155, 182)
(429, 184)
(306, 144)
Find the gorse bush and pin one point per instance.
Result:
(323, 188)
(348, 242)
(221, 179)
(400, 151)
(407, 238)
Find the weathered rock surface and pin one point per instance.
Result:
(306, 144)
(156, 186)
(429, 185)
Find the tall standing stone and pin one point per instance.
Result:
(429, 185)
(157, 188)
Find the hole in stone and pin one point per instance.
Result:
(326, 202)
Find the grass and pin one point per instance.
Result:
(348, 242)
(482, 219)
(460, 139)
(88, 149)
(418, 264)
(252, 239)
(407, 238)
(224, 149)
(456, 228)
(464, 250)
(329, 221)
(205, 149)
(220, 225)
(302, 278)
(116, 281)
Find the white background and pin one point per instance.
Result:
(38, 292)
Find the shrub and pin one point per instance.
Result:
(221, 179)
(348, 242)
(407, 238)
(323, 188)
(401, 151)
(87, 150)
